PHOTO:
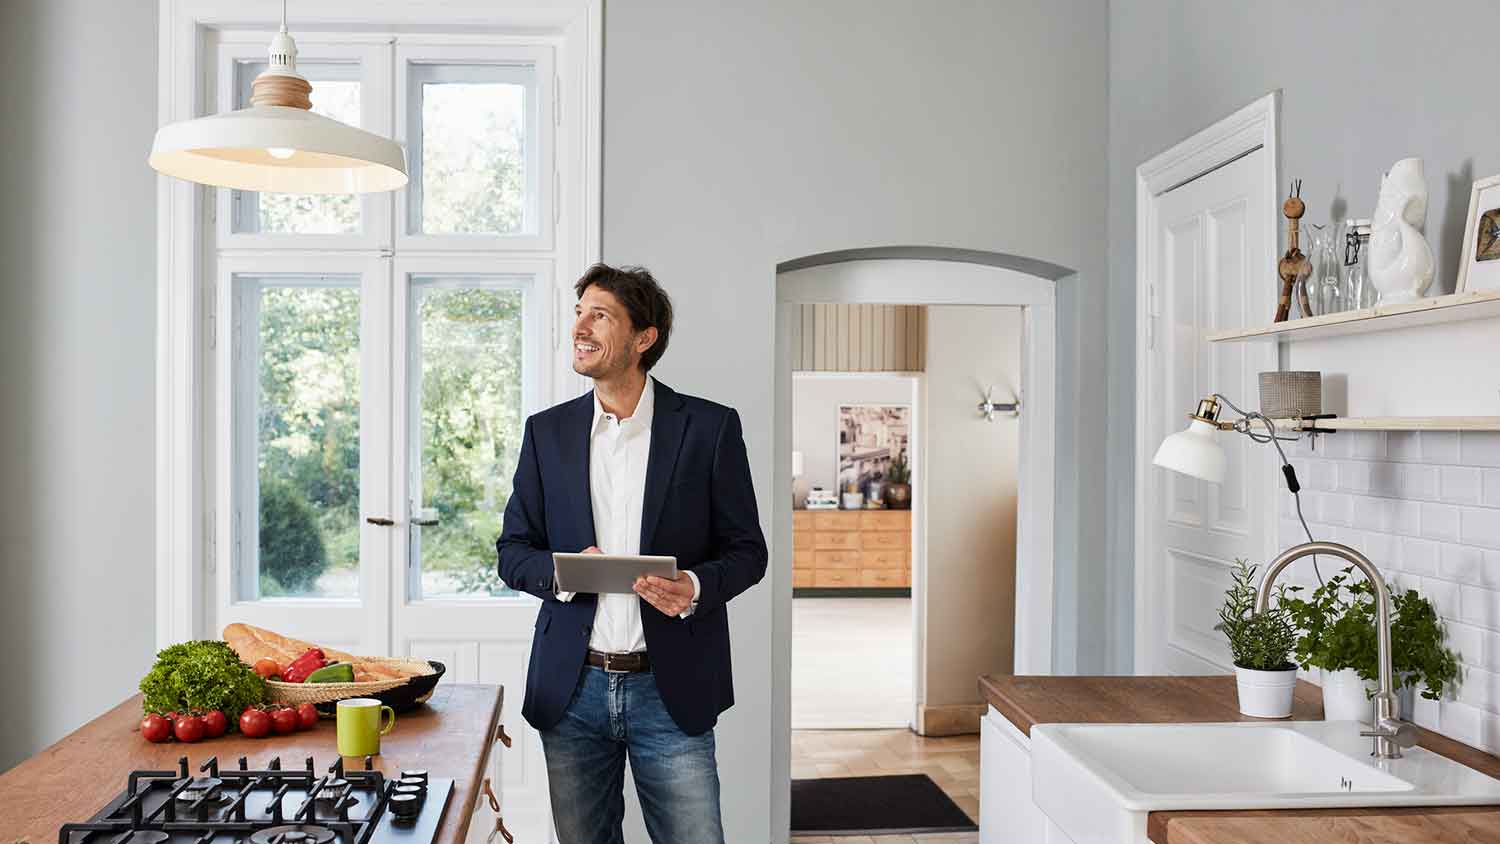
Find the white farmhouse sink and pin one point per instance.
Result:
(1098, 781)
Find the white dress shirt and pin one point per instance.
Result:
(618, 452)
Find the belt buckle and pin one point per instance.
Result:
(609, 660)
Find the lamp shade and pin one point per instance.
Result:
(247, 149)
(1193, 452)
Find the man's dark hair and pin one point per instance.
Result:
(647, 304)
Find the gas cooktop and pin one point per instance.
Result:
(269, 806)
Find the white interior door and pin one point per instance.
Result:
(1209, 239)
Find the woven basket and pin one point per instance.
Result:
(295, 693)
(1289, 395)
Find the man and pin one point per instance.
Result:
(631, 468)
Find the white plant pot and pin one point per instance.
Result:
(1344, 697)
(1266, 694)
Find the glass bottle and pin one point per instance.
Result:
(1357, 289)
(1323, 285)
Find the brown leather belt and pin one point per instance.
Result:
(620, 663)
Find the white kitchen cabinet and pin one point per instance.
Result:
(1007, 813)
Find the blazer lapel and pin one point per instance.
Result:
(667, 427)
(576, 438)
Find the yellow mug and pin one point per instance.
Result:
(359, 727)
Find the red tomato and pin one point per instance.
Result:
(156, 728)
(214, 724)
(267, 668)
(188, 728)
(255, 723)
(284, 721)
(307, 716)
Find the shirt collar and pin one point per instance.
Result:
(645, 408)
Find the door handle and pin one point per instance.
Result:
(377, 520)
(424, 522)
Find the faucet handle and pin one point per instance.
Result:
(1399, 732)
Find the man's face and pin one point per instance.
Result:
(604, 343)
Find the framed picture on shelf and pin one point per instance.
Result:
(870, 437)
(1479, 260)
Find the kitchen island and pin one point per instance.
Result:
(1023, 702)
(450, 736)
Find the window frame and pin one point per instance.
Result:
(546, 111)
(375, 106)
(536, 390)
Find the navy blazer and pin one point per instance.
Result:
(699, 508)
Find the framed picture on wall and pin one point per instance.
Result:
(1479, 260)
(870, 437)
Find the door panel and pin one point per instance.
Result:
(1211, 236)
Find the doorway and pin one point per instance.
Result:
(929, 279)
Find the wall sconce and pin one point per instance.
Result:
(988, 408)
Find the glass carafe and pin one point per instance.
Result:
(1323, 286)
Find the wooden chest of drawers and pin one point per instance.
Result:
(851, 549)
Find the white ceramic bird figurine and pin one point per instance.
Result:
(1401, 263)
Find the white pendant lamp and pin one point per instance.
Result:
(277, 144)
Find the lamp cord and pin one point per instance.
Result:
(1273, 438)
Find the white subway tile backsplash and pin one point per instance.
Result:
(1354, 476)
(1480, 526)
(1440, 521)
(1490, 494)
(1461, 485)
(1419, 556)
(1439, 446)
(1367, 445)
(1479, 448)
(1403, 446)
(1462, 564)
(1426, 713)
(1426, 509)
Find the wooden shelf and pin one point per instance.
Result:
(1455, 307)
(1397, 423)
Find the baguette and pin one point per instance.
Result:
(253, 643)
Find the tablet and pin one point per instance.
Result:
(607, 573)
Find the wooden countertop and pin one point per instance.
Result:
(450, 736)
(1026, 701)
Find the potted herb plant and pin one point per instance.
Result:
(1339, 638)
(1261, 644)
(898, 484)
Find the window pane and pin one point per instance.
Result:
(466, 400)
(475, 156)
(305, 361)
(335, 94)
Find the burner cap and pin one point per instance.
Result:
(210, 786)
(332, 789)
(293, 834)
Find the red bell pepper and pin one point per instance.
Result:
(304, 665)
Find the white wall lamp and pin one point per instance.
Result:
(989, 407)
(1195, 453)
(278, 144)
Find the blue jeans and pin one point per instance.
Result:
(613, 716)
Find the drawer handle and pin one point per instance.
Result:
(501, 831)
(489, 793)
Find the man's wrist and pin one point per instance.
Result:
(697, 590)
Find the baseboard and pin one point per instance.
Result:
(955, 719)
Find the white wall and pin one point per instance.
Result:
(77, 351)
(1363, 85)
(970, 503)
(816, 398)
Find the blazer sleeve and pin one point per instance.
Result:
(525, 559)
(735, 522)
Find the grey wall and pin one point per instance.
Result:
(815, 418)
(77, 362)
(738, 135)
(970, 500)
(1363, 85)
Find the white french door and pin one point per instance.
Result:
(372, 361)
(1208, 242)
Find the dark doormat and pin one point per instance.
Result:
(898, 804)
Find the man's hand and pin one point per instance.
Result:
(672, 597)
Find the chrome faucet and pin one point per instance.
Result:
(1389, 731)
